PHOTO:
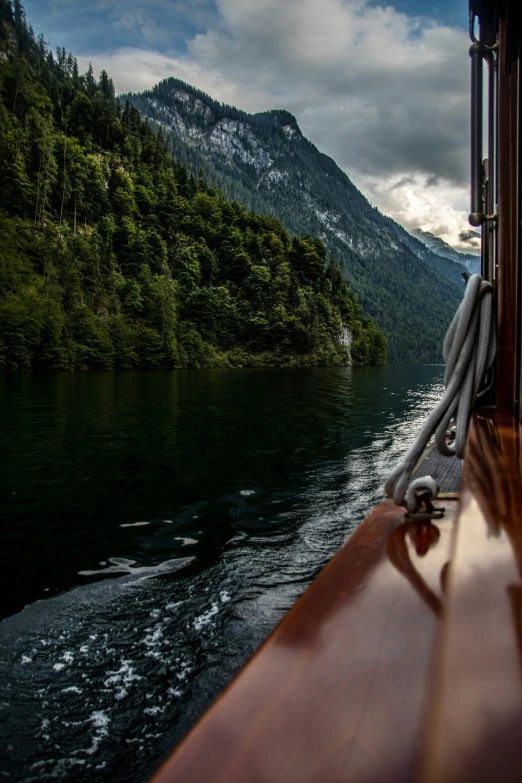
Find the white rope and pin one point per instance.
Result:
(469, 350)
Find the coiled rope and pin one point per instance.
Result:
(469, 350)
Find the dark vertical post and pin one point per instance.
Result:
(508, 215)
(476, 217)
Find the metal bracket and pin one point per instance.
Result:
(424, 516)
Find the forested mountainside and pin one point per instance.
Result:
(442, 249)
(264, 162)
(450, 269)
(112, 255)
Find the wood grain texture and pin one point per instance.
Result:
(337, 691)
(474, 716)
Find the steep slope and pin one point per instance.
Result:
(111, 255)
(443, 250)
(264, 162)
(450, 269)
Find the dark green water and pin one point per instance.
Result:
(157, 525)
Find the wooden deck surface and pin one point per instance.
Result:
(401, 662)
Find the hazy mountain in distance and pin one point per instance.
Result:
(264, 162)
(441, 248)
(450, 269)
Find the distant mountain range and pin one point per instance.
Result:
(451, 269)
(264, 162)
(441, 248)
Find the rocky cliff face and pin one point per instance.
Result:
(264, 162)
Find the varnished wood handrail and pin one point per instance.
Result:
(474, 715)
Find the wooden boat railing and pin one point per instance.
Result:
(403, 659)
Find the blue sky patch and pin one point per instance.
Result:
(89, 27)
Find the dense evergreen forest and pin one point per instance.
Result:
(113, 255)
(265, 162)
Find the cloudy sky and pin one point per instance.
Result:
(381, 88)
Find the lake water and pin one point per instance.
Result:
(155, 527)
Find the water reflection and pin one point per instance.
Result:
(423, 537)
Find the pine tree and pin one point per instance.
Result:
(90, 81)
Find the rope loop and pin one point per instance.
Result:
(469, 351)
(421, 492)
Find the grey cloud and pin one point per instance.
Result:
(471, 238)
(376, 90)
(407, 180)
(465, 236)
(384, 95)
(405, 86)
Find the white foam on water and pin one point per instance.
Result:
(128, 568)
(100, 721)
(122, 679)
(153, 636)
(206, 618)
(247, 492)
(154, 710)
(185, 670)
(135, 524)
(173, 605)
(56, 769)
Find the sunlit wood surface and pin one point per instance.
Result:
(401, 662)
(474, 720)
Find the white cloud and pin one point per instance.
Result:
(384, 94)
(414, 202)
(135, 70)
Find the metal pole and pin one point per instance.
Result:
(477, 216)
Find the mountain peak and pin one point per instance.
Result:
(177, 86)
(441, 248)
(282, 119)
(264, 162)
